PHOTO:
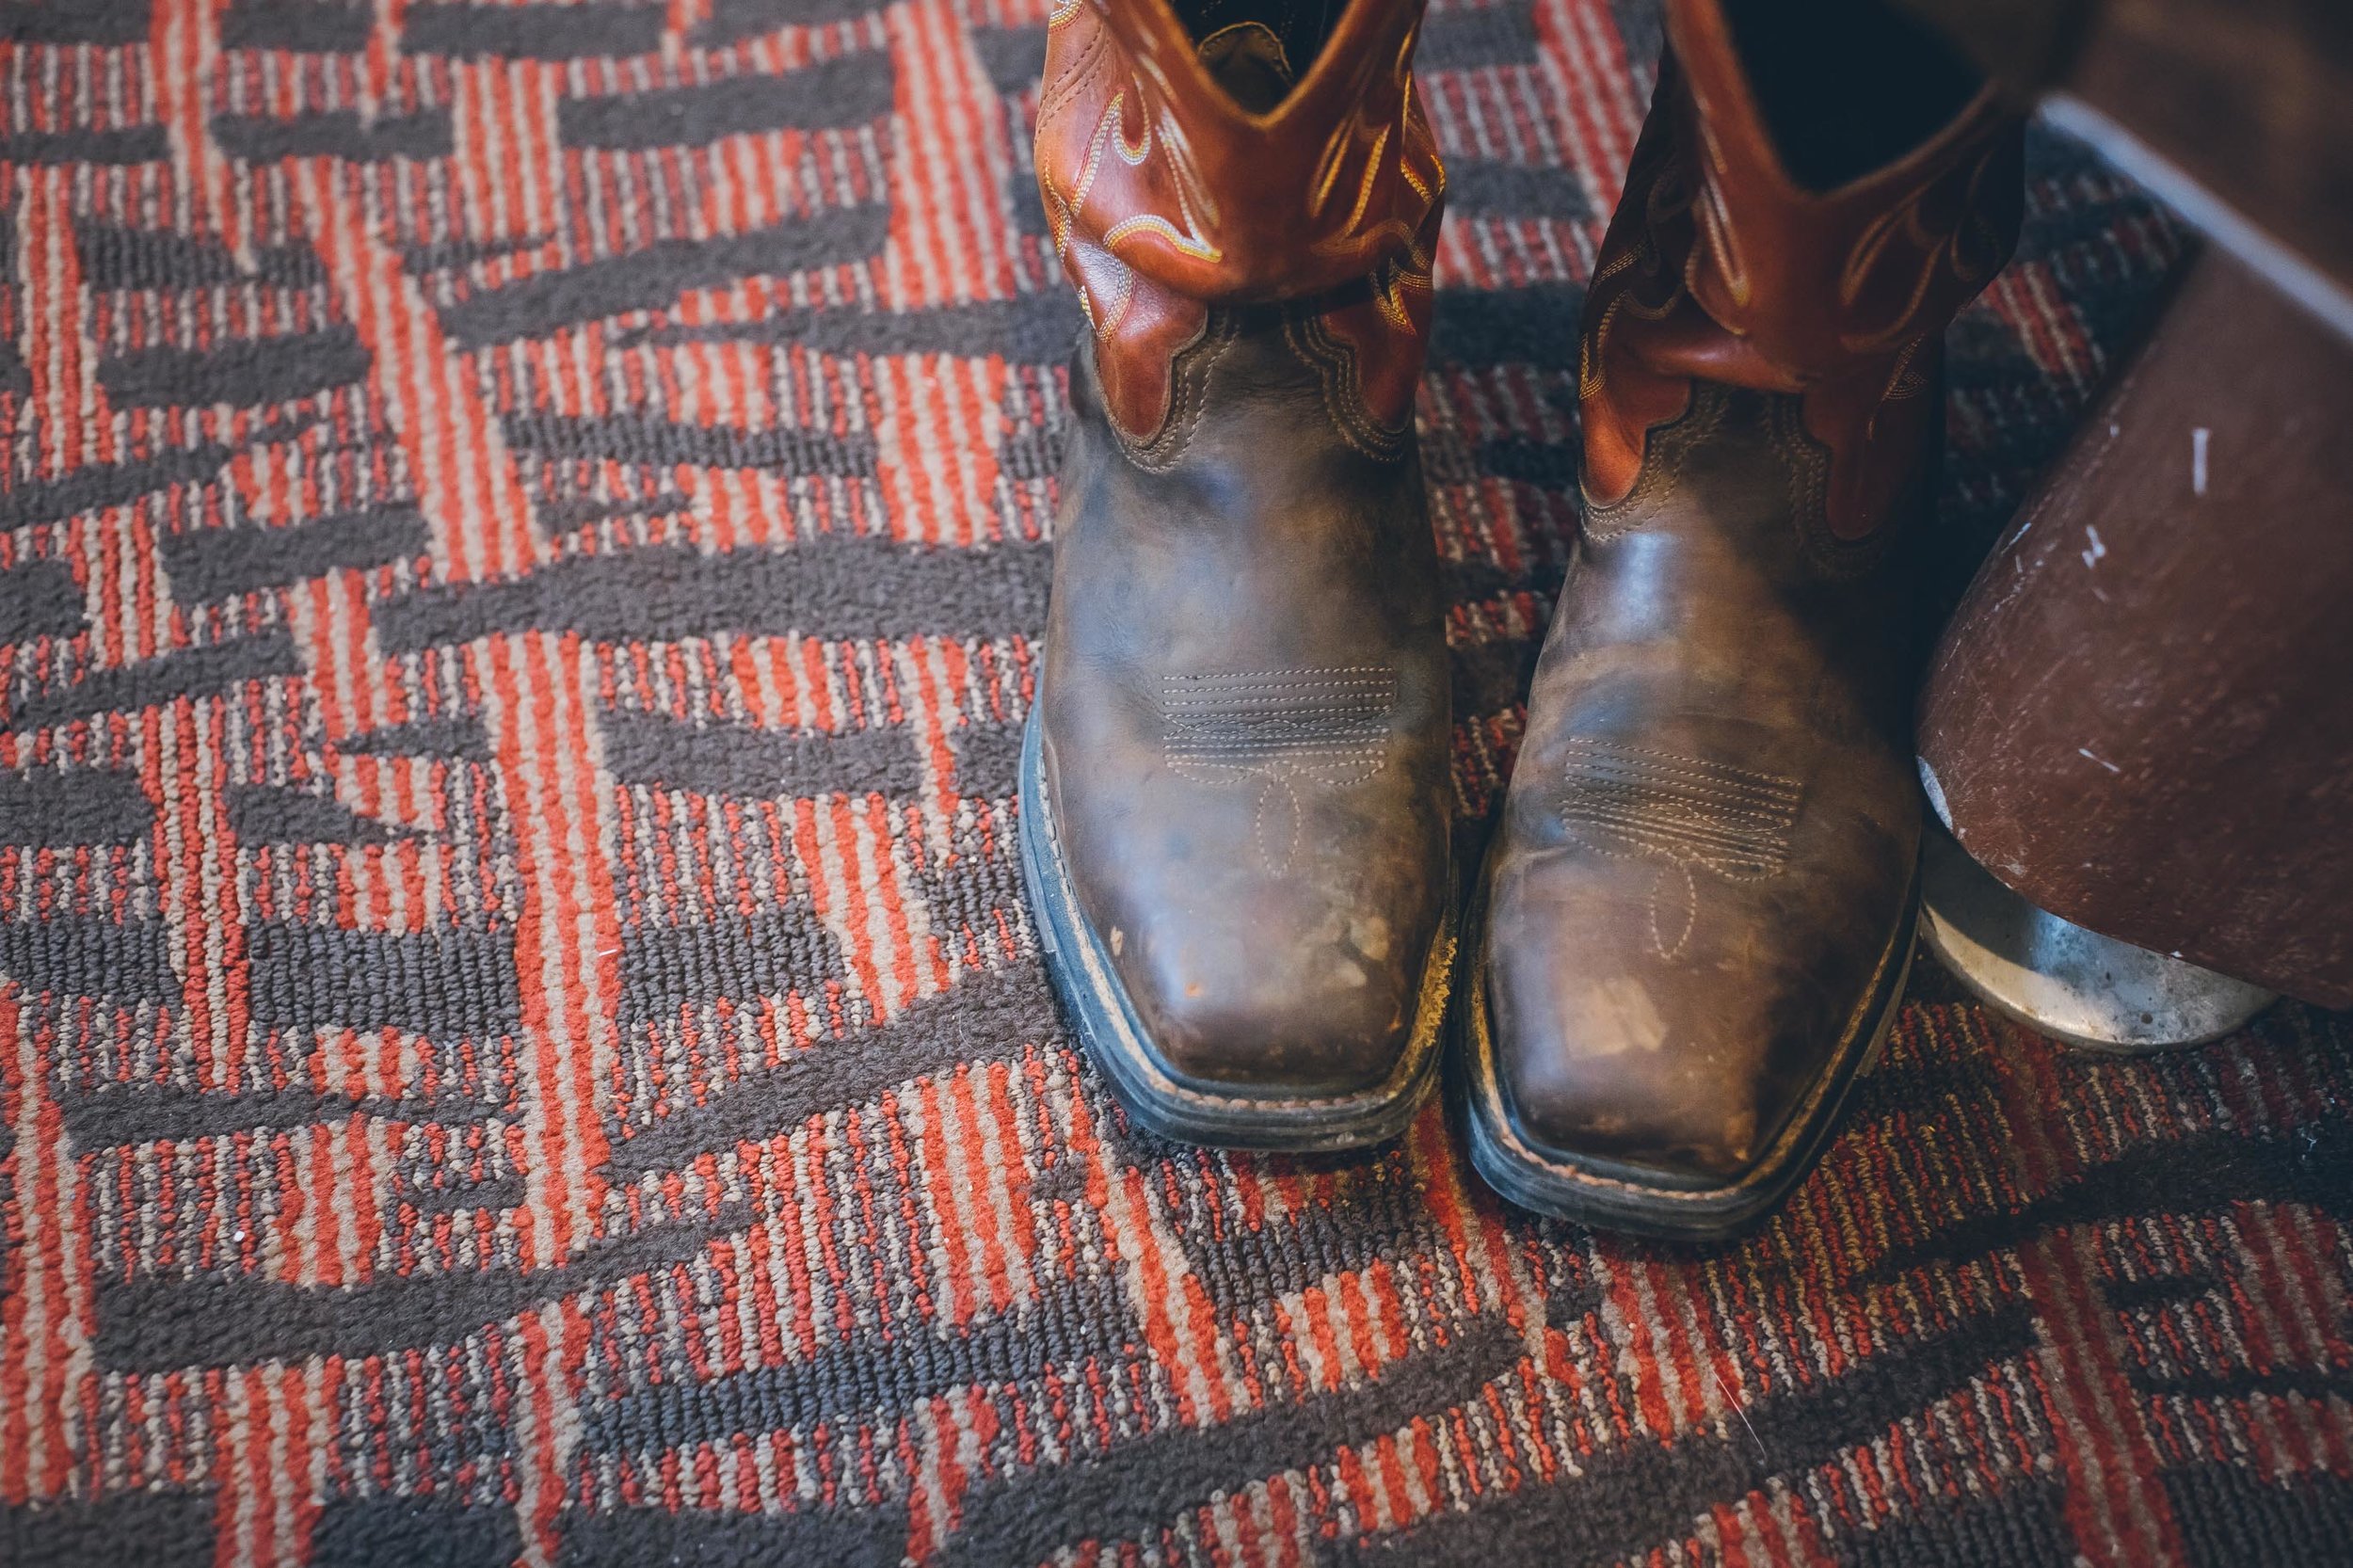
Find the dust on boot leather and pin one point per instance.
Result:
(1698, 907)
(1236, 794)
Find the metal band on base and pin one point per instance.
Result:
(2061, 980)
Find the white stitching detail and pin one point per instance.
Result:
(1629, 802)
(1328, 728)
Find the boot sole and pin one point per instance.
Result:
(1164, 1100)
(1612, 1196)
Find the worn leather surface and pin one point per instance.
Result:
(1245, 714)
(1246, 720)
(1167, 196)
(1711, 827)
(1717, 267)
(1708, 842)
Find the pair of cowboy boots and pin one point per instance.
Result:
(1694, 921)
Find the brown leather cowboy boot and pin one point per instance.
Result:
(1235, 783)
(1698, 909)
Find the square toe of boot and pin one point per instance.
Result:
(1635, 1070)
(1264, 1018)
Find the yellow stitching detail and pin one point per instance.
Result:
(1328, 171)
(1129, 155)
(1372, 176)
(1153, 224)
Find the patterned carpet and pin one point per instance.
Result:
(522, 538)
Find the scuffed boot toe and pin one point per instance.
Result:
(1283, 998)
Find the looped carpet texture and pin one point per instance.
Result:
(522, 541)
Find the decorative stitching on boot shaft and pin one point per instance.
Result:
(1188, 375)
(1715, 269)
(1334, 361)
(1806, 463)
(1671, 447)
(1165, 197)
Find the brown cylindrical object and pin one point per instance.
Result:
(2141, 715)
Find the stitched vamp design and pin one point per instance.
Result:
(1697, 813)
(1253, 716)
(1279, 728)
(1686, 812)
